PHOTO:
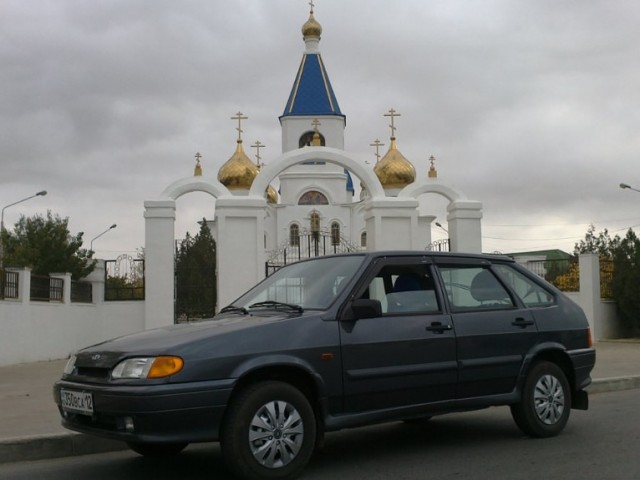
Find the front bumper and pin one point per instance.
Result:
(168, 413)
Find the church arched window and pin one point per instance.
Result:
(294, 235)
(335, 233)
(363, 239)
(313, 197)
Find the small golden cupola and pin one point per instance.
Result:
(197, 170)
(270, 193)
(394, 171)
(238, 172)
(311, 28)
(433, 173)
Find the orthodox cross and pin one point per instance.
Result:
(239, 117)
(258, 145)
(316, 123)
(311, 5)
(377, 144)
(197, 171)
(392, 113)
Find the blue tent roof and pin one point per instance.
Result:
(312, 93)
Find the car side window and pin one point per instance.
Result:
(403, 289)
(474, 288)
(530, 292)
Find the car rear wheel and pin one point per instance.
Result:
(269, 432)
(157, 449)
(545, 406)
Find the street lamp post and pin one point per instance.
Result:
(99, 235)
(624, 186)
(438, 224)
(41, 193)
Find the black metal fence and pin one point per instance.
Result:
(565, 274)
(9, 284)
(81, 292)
(552, 268)
(443, 245)
(46, 289)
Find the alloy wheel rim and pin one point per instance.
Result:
(549, 399)
(276, 434)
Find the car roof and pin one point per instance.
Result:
(427, 253)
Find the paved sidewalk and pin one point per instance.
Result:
(30, 423)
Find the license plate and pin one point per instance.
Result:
(77, 402)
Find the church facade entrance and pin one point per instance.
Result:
(307, 244)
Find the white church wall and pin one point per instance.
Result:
(300, 214)
(332, 184)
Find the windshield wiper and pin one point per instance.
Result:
(234, 309)
(276, 305)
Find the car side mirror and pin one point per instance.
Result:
(366, 308)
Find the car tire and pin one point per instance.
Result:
(544, 408)
(156, 449)
(269, 432)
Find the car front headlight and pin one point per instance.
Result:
(71, 364)
(148, 367)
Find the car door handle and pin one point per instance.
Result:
(522, 323)
(438, 327)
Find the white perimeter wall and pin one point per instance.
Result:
(36, 331)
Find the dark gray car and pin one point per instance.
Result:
(336, 342)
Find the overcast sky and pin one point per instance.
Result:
(531, 107)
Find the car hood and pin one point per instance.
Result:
(183, 339)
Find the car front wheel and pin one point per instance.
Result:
(545, 406)
(269, 432)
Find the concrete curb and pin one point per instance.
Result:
(42, 447)
(614, 384)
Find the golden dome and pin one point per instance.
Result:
(311, 27)
(395, 171)
(272, 195)
(238, 172)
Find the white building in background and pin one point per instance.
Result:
(313, 211)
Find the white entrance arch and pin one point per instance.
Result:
(327, 154)
(391, 223)
(195, 184)
(463, 216)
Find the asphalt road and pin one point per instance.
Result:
(597, 444)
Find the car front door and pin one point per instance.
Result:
(406, 355)
(493, 331)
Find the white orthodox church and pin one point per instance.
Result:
(313, 211)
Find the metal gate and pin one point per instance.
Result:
(124, 278)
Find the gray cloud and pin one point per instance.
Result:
(530, 107)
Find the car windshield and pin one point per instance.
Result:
(312, 284)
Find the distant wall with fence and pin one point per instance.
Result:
(53, 316)
(587, 281)
(49, 317)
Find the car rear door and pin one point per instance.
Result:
(407, 355)
(494, 331)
